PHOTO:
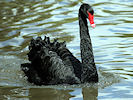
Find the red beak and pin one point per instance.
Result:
(91, 19)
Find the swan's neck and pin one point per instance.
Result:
(85, 44)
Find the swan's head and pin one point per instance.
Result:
(88, 12)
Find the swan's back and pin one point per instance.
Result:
(51, 63)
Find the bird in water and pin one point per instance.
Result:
(51, 63)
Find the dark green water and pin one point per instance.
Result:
(112, 40)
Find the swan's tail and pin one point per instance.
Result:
(49, 63)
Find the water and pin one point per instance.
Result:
(112, 41)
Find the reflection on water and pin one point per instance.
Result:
(112, 44)
(47, 93)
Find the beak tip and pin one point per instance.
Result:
(93, 25)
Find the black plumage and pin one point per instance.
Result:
(52, 63)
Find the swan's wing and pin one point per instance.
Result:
(70, 60)
(48, 65)
(61, 71)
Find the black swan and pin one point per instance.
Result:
(52, 63)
